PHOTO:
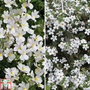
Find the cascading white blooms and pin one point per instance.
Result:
(13, 35)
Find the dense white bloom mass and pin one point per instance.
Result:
(68, 31)
(20, 45)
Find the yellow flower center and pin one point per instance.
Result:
(12, 27)
(29, 3)
(35, 25)
(17, 47)
(38, 55)
(26, 13)
(32, 45)
(23, 25)
(9, 54)
(15, 77)
(6, 17)
(0, 53)
(37, 69)
(9, 16)
(13, 14)
(23, 68)
(34, 16)
(8, 2)
(24, 5)
(19, 35)
(11, 72)
(24, 53)
(29, 29)
(36, 78)
(7, 39)
(39, 83)
(36, 38)
(0, 33)
(40, 47)
(24, 88)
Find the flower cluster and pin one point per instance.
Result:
(68, 31)
(20, 43)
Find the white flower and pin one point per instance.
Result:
(11, 71)
(38, 55)
(87, 10)
(14, 86)
(61, 45)
(30, 5)
(81, 28)
(9, 54)
(11, 25)
(0, 23)
(87, 31)
(5, 16)
(38, 38)
(76, 63)
(60, 33)
(72, 17)
(14, 3)
(1, 54)
(19, 34)
(85, 47)
(18, 44)
(77, 82)
(2, 32)
(23, 86)
(8, 3)
(30, 31)
(63, 60)
(63, 24)
(66, 19)
(35, 26)
(37, 79)
(54, 38)
(25, 25)
(32, 43)
(65, 84)
(24, 68)
(39, 71)
(40, 48)
(23, 51)
(34, 15)
(56, 25)
(9, 40)
(54, 87)
(24, 5)
(55, 59)
(83, 41)
(66, 66)
(71, 10)
(75, 30)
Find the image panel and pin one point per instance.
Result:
(67, 61)
(21, 44)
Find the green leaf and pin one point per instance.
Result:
(33, 0)
(47, 87)
(19, 0)
(83, 69)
